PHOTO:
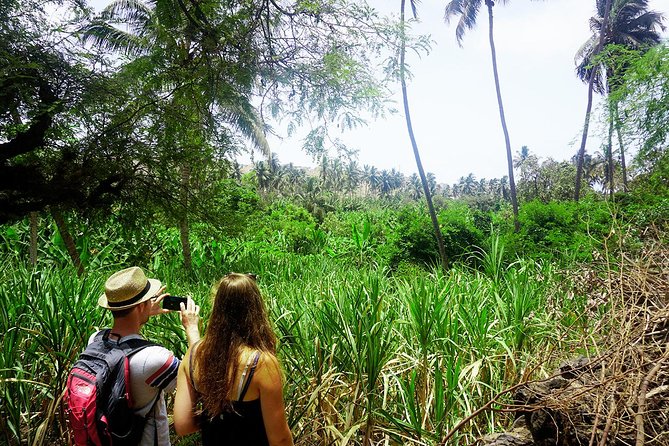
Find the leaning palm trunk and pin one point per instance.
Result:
(623, 166)
(507, 141)
(68, 240)
(593, 74)
(609, 155)
(414, 145)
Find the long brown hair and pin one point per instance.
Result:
(238, 319)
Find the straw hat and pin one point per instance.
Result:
(127, 288)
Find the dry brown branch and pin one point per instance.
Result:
(598, 411)
(628, 304)
(640, 435)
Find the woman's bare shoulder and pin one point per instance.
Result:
(269, 369)
(267, 357)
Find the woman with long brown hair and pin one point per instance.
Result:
(229, 385)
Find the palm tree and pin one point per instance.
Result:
(311, 194)
(279, 181)
(263, 175)
(397, 179)
(385, 183)
(336, 175)
(482, 187)
(630, 24)
(414, 186)
(414, 145)
(293, 178)
(503, 183)
(521, 156)
(364, 176)
(168, 29)
(606, 12)
(432, 182)
(494, 188)
(468, 184)
(456, 190)
(352, 177)
(467, 10)
(324, 169)
(273, 162)
(372, 177)
(447, 191)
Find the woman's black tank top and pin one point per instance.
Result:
(243, 426)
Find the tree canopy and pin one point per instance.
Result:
(101, 107)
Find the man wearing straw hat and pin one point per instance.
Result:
(133, 299)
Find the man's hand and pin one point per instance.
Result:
(190, 318)
(156, 303)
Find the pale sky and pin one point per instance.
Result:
(452, 94)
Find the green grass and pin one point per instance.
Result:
(368, 355)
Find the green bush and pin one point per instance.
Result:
(548, 230)
(416, 237)
(644, 209)
(288, 226)
(461, 228)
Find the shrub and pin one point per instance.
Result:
(550, 229)
(462, 229)
(415, 237)
(289, 226)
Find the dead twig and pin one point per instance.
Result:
(641, 409)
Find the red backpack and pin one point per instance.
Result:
(97, 396)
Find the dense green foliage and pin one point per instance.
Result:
(118, 136)
(365, 349)
(374, 339)
(644, 98)
(144, 101)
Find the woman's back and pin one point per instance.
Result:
(242, 423)
(243, 426)
(230, 386)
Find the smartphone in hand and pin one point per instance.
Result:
(172, 302)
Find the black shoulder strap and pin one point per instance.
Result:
(129, 346)
(111, 352)
(132, 346)
(248, 379)
(102, 334)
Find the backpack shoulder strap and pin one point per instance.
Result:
(112, 352)
(132, 346)
(100, 335)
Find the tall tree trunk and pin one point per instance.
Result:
(584, 137)
(609, 154)
(68, 240)
(16, 117)
(623, 166)
(184, 230)
(414, 145)
(507, 142)
(33, 238)
(581, 151)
